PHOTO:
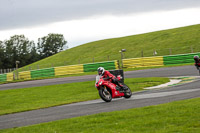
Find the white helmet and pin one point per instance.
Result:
(101, 71)
(196, 57)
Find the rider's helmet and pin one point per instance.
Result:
(101, 71)
(196, 57)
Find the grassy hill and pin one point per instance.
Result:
(172, 41)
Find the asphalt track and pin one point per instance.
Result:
(139, 99)
(158, 72)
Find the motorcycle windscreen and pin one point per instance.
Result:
(97, 78)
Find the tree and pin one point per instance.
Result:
(34, 56)
(1, 54)
(17, 48)
(51, 44)
(9, 56)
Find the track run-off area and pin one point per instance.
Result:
(139, 99)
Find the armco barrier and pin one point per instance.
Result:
(143, 62)
(48, 72)
(109, 65)
(179, 59)
(72, 69)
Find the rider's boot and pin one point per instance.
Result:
(122, 87)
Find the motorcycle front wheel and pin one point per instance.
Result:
(127, 93)
(199, 71)
(105, 94)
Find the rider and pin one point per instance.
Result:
(197, 61)
(107, 74)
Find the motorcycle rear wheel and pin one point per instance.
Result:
(105, 94)
(127, 93)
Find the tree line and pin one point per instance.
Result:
(19, 48)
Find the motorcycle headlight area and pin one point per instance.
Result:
(100, 83)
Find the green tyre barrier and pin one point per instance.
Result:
(109, 65)
(179, 59)
(48, 72)
(3, 77)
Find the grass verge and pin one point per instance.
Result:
(179, 116)
(17, 100)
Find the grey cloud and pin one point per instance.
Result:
(24, 13)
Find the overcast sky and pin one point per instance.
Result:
(82, 21)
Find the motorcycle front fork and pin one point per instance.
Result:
(105, 89)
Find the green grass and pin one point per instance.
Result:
(17, 100)
(176, 117)
(179, 40)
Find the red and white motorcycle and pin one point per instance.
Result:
(108, 90)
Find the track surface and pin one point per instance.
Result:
(159, 72)
(140, 99)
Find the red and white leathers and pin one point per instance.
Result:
(112, 78)
(107, 74)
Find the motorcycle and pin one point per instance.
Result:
(108, 90)
(198, 68)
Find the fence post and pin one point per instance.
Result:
(170, 51)
(142, 54)
(108, 57)
(118, 64)
(17, 73)
(122, 59)
(192, 51)
(93, 59)
(13, 75)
